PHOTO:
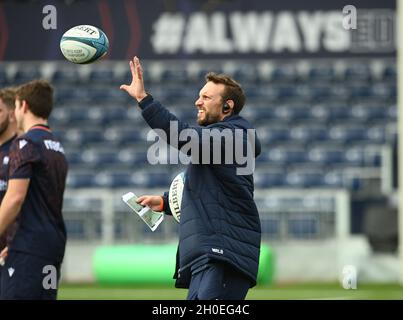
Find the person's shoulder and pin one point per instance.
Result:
(23, 141)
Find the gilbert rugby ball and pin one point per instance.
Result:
(175, 195)
(84, 44)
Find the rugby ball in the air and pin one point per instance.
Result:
(175, 195)
(84, 44)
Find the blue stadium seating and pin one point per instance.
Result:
(80, 179)
(272, 134)
(271, 226)
(318, 125)
(308, 133)
(304, 178)
(357, 72)
(27, 73)
(65, 76)
(286, 155)
(347, 133)
(270, 179)
(326, 156)
(82, 137)
(122, 135)
(174, 75)
(284, 73)
(321, 73)
(3, 77)
(389, 73)
(303, 226)
(101, 76)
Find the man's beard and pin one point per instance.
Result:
(4, 126)
(208, 119)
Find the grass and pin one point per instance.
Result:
(274, 292)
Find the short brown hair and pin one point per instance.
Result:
(39, 96)
(7, 95)
(232, 91)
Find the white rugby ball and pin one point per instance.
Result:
(84, 44)
(175, 195)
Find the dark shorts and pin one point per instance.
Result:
(218, 281)
(28, 277)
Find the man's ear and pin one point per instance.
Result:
(231, 104)
(24, 106)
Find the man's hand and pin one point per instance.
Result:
(136, 88)
(156, 203)
(3, 256)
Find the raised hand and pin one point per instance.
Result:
(136, 87)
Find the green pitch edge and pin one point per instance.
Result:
(154, 264)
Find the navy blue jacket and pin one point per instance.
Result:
(219, 218)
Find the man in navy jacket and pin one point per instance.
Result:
(219, 240)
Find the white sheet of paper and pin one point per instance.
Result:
(151, 218)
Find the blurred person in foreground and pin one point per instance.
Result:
(34, 198)
(219, 232)
(8, 132)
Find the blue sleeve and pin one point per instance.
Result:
(166, 207)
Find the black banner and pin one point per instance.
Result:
(181, 29)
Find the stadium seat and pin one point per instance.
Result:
(73, 158)
(286, 155)
(389, 73)
(97, 158)
(347, 133)
(174, 75)
(69, 95)
(153, 179)
(284, 73)
(321, 73)
(322, 92)
(85, 136)
(270, 134)
(365, 113)
(357, 72)
(376, 134)
(304, 178)
(341, 179)
(245, 73)
(330, 113)
(110, 179)
(384, 92)
(107, 96)
(75, 228)
(80, 179)
(271, 225)
(100, 76)
(308, 133)
(122, 135)
(291, 112)
(392, 112)
(269, 178)
(66, 76)
(326, 156)
(3, 77)
(303, 226)
(25, 74)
